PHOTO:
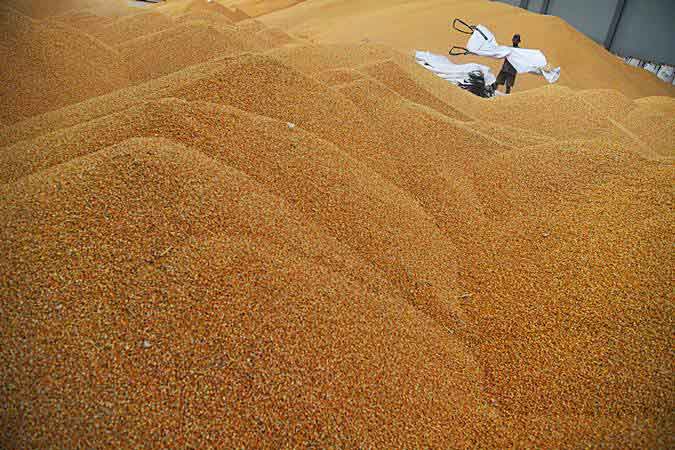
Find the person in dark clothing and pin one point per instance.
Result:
(507, 76)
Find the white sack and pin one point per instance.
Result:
(483, 43)
(454, 73)
(653, 68)
(666, 73)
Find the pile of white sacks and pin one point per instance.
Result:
(664, 72)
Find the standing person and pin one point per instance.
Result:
(507, 76)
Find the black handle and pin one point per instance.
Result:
(458, 51)
(469, 29)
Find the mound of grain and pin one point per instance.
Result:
(273, 38)
(665, 104)
(251, 25)
(552, 111)
(440, 146)
(264, 86)
(425, 153)
(464, 101)
(255, 8)
(109, 103)
(238, 15)
(335, 77)
(41, 9)
(49, 65)
(610, 102)
(317, 58)
(654, 127)
(191, 124)
(16, 27)
(511, 136)
(261, 38)
(569, 305)
(302, 248)
(85, 21)
(168, 51)
(209, 6)
(134, 26)
(513, 182)
(269, 327)
(204, 16)
(203, 7)
(392, 76)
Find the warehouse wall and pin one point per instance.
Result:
(645, 29)
(535, 5)
(592, 18)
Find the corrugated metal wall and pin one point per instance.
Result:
(592, 18)
(647, 31)
(536, 5)
(639, 28)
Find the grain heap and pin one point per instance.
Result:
(255, 8)
(133, 26)
(407, 265)
(43, 9)
(44, 68)
(154, 55)
(83, 21)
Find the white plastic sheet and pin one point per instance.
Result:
(483, 43)
(454, 73)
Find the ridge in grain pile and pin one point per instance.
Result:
(408, 265)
